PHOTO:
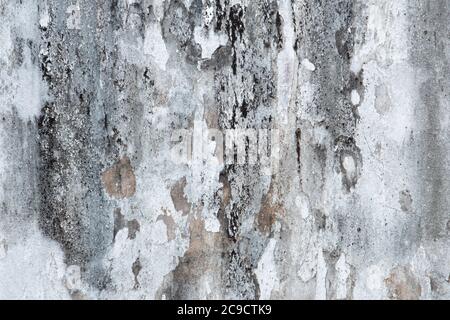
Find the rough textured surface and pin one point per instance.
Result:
(98, 100)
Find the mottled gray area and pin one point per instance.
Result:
(93, 95)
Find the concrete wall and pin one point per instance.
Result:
(350, 97)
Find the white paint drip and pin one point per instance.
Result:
(321, 277)
(45, 19)
(286, 62)
(266, 272)
(155, 46)
(343, 272)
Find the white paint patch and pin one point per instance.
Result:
(7, 45)
(212, 224)
(73, 21)
(158, 9)
(156, 255)
(155, 46)
(203, 179)
(33, 268)
(73, 277)
(208, 14)
(45, 19)
(370, 283)
(384, 41)
(321, 277)
(350, 167)
(302, 204)
(307, 92)
(209, 41)
(266, 272)
(355, 98)
(187, 3)
(286, 63)
(308, 65)
(21, 85)
(23, 90)
(159, 232)
(343, 272)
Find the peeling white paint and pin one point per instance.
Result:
(266, 272)
(308, 65)
(21, 85)
(155, 47)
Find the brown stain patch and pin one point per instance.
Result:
(205, 255)
(403, 284)
(119, 180)
(179, 199)
(270, 208)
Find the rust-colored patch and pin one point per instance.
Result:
(179, 200)
(270, 207)
(119, 180)
(403, 284)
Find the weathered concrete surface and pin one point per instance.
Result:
(92, 205)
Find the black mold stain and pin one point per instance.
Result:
(235, 29)
(72, 208)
